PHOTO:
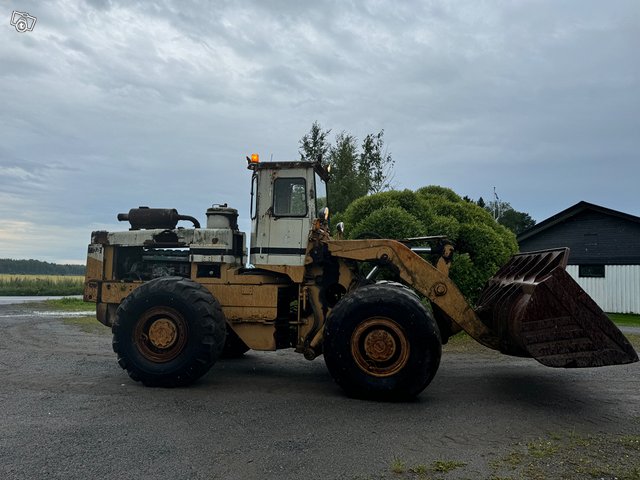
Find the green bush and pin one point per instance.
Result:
(482, 245)
(389, 222)
(407, 200)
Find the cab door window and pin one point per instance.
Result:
(320, 194)
(290, 197)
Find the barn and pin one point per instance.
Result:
(605, 252)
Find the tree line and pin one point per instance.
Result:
(38, 267)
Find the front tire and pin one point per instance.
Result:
(381, 343)
(168, 332)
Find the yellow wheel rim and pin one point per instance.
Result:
(161, 334)
(380, 347)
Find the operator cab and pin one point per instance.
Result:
(285, 199)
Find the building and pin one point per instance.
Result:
(605, 252)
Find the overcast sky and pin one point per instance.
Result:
(107, 105)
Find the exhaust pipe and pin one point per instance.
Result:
(155, 218)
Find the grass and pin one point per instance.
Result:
(28, 285)
(399, 467)
(87, 324)
(634, 339)
(420, 469)
(69, 304)
(445, 466)
(566, 455)
(542, 448)
(625, 319)
(463, 343)
(570, 455)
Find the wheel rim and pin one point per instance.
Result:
(380, 347)
(161, 334)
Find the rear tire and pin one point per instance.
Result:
(381, 343)
(168, 332)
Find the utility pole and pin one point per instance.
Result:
(497, 209)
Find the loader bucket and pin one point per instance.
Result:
(537, 310)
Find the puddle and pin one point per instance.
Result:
(57, 314)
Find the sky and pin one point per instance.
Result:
(109, 105)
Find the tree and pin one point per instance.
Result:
(314, 146)
(482, 245)
(32, 266)
(376, 163)
(506, 215)
(516, 221)
(354, 172)
(348, 180)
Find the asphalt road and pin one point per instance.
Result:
(68, 411)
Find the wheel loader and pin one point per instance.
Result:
(179, 298)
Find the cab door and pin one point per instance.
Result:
(283, 213)
(289, 223)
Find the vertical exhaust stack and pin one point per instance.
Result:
(537, 310)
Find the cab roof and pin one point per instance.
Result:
(320, 169)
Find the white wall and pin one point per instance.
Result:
(617, 292)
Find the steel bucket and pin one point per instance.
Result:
(537, 310)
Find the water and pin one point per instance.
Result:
(14, 300)
(57, 314)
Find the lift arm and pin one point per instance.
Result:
(426, 279)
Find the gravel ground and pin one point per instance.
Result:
(69, 412)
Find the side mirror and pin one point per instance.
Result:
(324, 214)
(340, 227)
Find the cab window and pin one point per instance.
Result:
(290, 197)
(320, 193)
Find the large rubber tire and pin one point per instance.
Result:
(234, 347)
(168, 332)
(381, 343)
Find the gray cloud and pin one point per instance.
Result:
(108, 105)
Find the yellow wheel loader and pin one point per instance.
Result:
(179, 298)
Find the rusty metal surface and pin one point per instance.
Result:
(380, 347)
(537, 310)
(423, 277)
(153, 218)
(161, 334)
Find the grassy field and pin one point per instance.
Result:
(625, 319)
(23, 285)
